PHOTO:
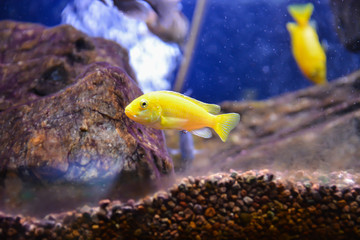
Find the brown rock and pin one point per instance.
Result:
(62, 114)
(37, 61)
(81, 133)
(74, 127)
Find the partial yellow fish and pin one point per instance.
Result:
(306, 48)
(172, 110)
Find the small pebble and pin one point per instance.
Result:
(248, 200)
(210, 212)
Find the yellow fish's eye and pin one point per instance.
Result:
(143, 103)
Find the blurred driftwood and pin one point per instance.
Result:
(317, 128)
(162, 17)
(347, 23)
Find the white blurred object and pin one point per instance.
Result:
(152, 59)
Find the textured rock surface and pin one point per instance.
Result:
(314, 128)
(72, 126)
(36, 61)
(81, 133)
(347, 22)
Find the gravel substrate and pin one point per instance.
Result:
(234, 205)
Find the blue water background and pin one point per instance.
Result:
(243, 51)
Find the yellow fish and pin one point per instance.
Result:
(172, 110)
(306, 48)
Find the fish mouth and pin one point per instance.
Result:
(128, 113)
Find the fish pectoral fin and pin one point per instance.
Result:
(171, 122)
(202, 132)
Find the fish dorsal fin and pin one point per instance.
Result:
(202, 132)
(211, 108)
(301, 12)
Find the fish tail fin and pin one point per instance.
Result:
(301, 12)
(224, 123)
